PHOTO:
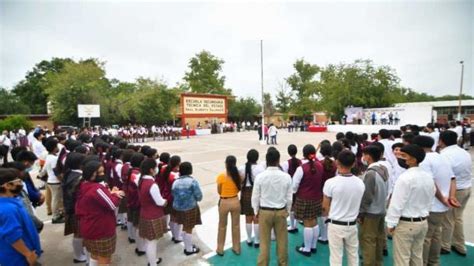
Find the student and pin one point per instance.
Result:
(290, 167)
(53, 183)
(272, 132)
(186, 194)
(372, 209)
(71, 181)
(308, 185)
(248, 172)
(228, 187)
(461, 165)
(95, 209)
(342, 197)
(271, 200)
(19, 240)
(169, 173)
(152, 223)
(116, 181)
(329, 171)
(28, 158)
(409, 207)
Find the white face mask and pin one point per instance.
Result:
(364, 162)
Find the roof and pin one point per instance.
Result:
(454, 103)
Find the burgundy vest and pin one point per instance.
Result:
(132, 190)
(311, 185)
(148, 208)
(115, 177)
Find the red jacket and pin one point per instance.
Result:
(311, 186)
(148, 208)
(132, 189)
(95, 210)
(166, 185)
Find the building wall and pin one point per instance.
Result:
(193, 121)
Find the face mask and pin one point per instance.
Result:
(100, 178)
(17, 190)
(365, 163)
(402, 163)
(29, 169)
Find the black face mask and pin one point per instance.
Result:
(402, 163)
(17, 190)
(99, 178)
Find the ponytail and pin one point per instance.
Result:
(232, 171)
(252, 158)
(309, 152)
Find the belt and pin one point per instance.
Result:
(272, 209)
(416, 219)
(340, 222)
(229, 197)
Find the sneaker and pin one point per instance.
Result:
(193, 251)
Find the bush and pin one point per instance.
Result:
(15, 122)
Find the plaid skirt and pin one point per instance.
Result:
(71, 225)
(189, 218)
(123, 205)
(152, 229)
(133, 216)
(104, 247)
(169, 208)
(307, 209)
(246, 202)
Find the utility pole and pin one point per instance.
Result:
(460, 90)
(263, 105)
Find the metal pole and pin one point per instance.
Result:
(263, 104)
(460, 90)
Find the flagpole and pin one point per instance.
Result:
(263, 105)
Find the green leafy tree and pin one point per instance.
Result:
(11, 104)
(269, 107)
(284, 99)
(304, 84)
(243, 109)
(15, 122)
(204, 75)
(31, 91)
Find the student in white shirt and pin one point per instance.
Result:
(271, 200)
(445, 183)
(53, 183)
(272, 132)
(342, 197)
(461, 164)
(409, 208)
(247, 173)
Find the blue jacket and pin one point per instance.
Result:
(16, 224)
(186, 193)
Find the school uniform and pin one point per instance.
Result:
(133, 202)
(246, 192)
(287, 167)
(152, 224)
(95, 209)
(327, 174)
(308, 187)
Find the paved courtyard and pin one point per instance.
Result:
(207, 154)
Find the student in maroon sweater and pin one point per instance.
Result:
(330, 168)
(95, 211)
(308, 186)
(152, 224)
(290, 167)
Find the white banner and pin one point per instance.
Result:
(88, 110)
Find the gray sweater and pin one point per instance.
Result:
(376, 191)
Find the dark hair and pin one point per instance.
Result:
(150, 153)
(117, 153)
(309, 152)
(292, 151)
(380, 146)
(16, 150)
(384, 133)
(89, 169)
(15, 165)
(339, 136)
(397, 145)
(173, 163)
(232, 171)
(424, 141)
(7, 175)
(337, 147)
(38, 133)
(26, 156)
(397, 133)
(81, 149)
(127, 155)
(90, 158)
(137, 159)
(414, 151)
(326, 151)
(144, 149)
(252, 158)
(122, 144)
(448, 137)
(185, 168)
(346, 158)
(408, 138)
(373, 151)
(272, 157)
(364, 136)
(51, 144)
(147, 165)
(74, 160)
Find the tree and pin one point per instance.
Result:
(204, 75)
(284, 99)
(82, 82)
(243, 109)
(268, 108)
(32, 90)
(11, 104)
(303, 83)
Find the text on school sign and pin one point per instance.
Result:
(198, 105)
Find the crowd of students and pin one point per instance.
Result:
(407, 184)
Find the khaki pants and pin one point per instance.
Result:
(408, 241)
(227, 206)
(372, 236)
(56, 200)
(48, 199)
(453, 231)
(267, 221)
(343, 237)
(432, 245)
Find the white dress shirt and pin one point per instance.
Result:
(118, 169)
(435, 136)
(38, 149)
(346, 195)
(388, 153)
(155, 192)
(461, 164)
(412, 196)
(49, 165)
(272, 189)
(442, 174)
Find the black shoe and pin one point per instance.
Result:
(313, 250)
(194, 251)
(131, 240)
(59, 220)
(79, 261)
(256, 245)
(301, 222)
(324, 242)
(389, 237)
(176, 241)
(385, 253)
(123, 227)
(292, 231)
(235, 252)
(459, 252)
(445, 251)
(139, 253)
(220, 254)
(302, 252)
(249, 243)
(157, 262)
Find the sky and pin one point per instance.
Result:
(423, 41)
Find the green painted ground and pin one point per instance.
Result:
(249, 255)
